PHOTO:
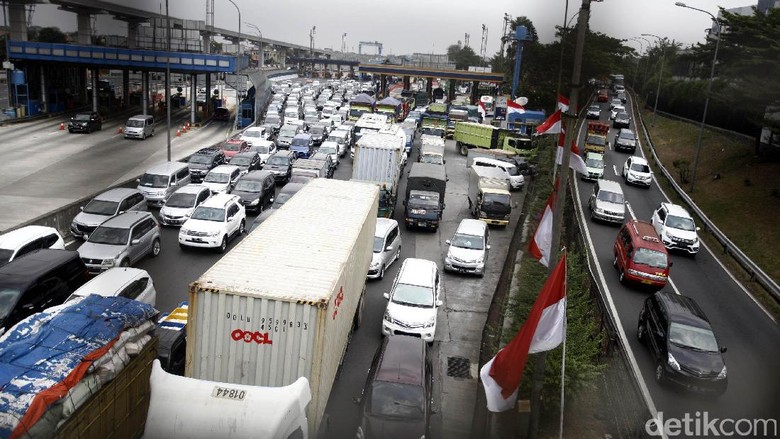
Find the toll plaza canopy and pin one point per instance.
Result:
(118, 58)
(460, 75)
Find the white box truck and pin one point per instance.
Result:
(378, 160)
(282, 304)
(489, 197)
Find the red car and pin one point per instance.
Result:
(603, 95)
(234, 146)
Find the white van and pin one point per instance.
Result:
(516, 180)
(139, 127)
(160, 181)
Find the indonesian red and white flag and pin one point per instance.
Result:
(543, 330)
(539, 247)
(575, 159)
(552, 125)
(513, 107)
(563, 103)
(481, 110)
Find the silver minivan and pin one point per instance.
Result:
(121, 241)
(468, 248)
(139, 127)
(160, 181)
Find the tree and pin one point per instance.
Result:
(51, 35)
(463, 57)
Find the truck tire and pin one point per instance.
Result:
(462, 148)
(359, 313)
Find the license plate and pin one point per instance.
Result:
(197, 240)
(646, 282)
(422, 224)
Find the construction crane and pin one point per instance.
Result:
(376, 44)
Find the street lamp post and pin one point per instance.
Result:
(238, 62)
(707, 94)
(638, 60)
(660, 73)
(312, 32)
(260, 42)
(647, 64)
(343, 42)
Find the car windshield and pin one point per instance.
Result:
(272, 119)
(262, 149)
(596, 140)
(101, 207)
(241, 161)
(610, 197)
(8, 299)
(282, 198)
(5, 256)
(181, 200)
(200, 159)
(253, 134)
(379, 244)
(681, 223)
(278, 160)
(82, 117)
(135, 123)
(495, 199)
(396, 400)
(249, 185)
(209, 214)
(594, 163)
(594, 108)
(109, 235)
(316, 130)
(216, 177)
(154, 180)
(700, 339)
(640, 167)
(467, 241)
(231, 146)
(622, 116)
(300, 142)
(432, 158)
(626, 135)
(288, 132)
(327, 149)
(652, 258)
(413, 295)
(424, 200)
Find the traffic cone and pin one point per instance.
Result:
(178, 133)
(62, 126)
(119, 130)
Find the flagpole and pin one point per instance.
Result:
(563, 356)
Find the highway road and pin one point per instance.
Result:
(749, 333)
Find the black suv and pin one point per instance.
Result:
(682, 343)
(85, 122)
(203, 161)
(396, 400)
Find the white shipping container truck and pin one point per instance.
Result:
(282, 305)
(378, 160)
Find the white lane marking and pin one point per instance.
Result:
(703, 244)
(633, 217)
(630, 210)
(614, 169)
(608, 294)
(674, 287)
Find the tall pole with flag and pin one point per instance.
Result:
(570, 119)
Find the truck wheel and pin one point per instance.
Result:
(463, 149)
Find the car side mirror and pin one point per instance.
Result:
(138, 180)
(81, 207)
(386, 296)
(671, 263)
(487, 247)
(447, 241)
(389, 248)
(698, 228)
(356, 399)
(121, 212)
(135, 242)
(723, 349)
(439, 303)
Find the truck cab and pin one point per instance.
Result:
(424, 203)
(488, 195)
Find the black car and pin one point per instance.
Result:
(622, 120)
(281, 165)
(256, 190)
(396, 400)
(85, 122)
(203, 161)
(682, 343)
(247, 161)
(221, 114)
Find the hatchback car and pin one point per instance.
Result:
(637, 171)
(331, 149)
(214, 223)
(256, 190)
(85, 122)
(594, 112)
(121, 241)
(615, 110)
(387, 247)
(594, 164)
(621, 120)
(247, 161)
(676, 228)
(203, 161)
(625, 140)
(469, 248)
(396, 399)
(233, 147)
(254, 134)
(105, 206)
(132, 283)
(222, 178)
(683, 344)
(414, 300)
(180, 205)
(265, 148)
(27, 239)
(281, 165)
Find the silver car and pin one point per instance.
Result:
(105, 206)
(387, 247)
(121, 242)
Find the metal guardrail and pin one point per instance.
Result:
(755, 272)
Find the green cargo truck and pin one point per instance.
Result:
(469, 135)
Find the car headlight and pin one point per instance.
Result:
(722, 373)
(108, 262)
(598, 210)
(430, 322)
(387, 317)
(673, 362)
(255, 202)
(374, 265)
(184, 231)
(214, 233)
(359, 434)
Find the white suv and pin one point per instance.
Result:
(214, 223)
(637, 171)
(414, 300)
(469, 247)
(676, 228)
(387, 247)
(222, 178)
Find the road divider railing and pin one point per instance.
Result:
(753, 270)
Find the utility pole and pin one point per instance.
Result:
(343, 43)
(570, 119)
(483, 47)
(167, 79)
(312, 32)
(504, 36)
(466, 40)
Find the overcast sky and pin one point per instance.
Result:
(407, 26)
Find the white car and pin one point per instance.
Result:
(468, 251)
(214, 223)
(222, 178)
(387, 247)
(180, 205)
(676, 228)
(332, 149)
(27, 239)
(414, 300)
(637, 171)
(615, 110)
(132, 283)
(254, 134)
(265, 149)
(594, 163)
